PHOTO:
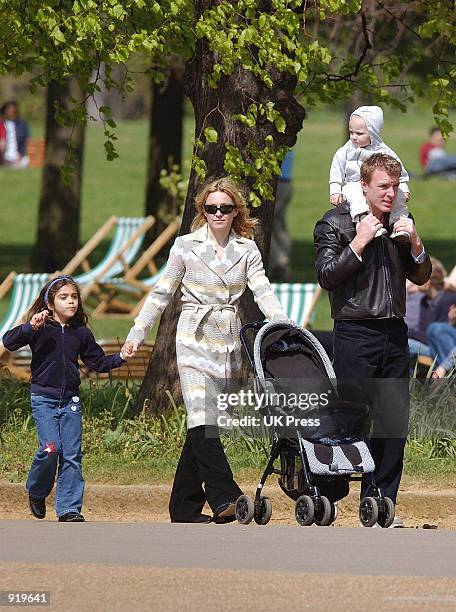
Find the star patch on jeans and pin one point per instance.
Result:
(50, 447)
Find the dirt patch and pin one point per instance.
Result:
(417, 506)
(94, 587)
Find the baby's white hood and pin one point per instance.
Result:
(373, 118)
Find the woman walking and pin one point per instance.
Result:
(213, 265)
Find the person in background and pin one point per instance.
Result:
(433, 157)
(2, 140)
(279, 253)
(447, 365)
(426, 307)
(441, 338)
(17, 135)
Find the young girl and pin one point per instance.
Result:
(57, 333)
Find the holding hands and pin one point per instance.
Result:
(129, 349)
(39, 319)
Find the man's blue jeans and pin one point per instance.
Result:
(59, 427)
(441, 339)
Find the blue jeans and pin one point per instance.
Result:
(442, 339)
(59, 428)
(418, 348)
(443, 164)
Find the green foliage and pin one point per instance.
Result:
(269, 40)
(172, 181)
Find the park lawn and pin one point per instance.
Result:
(104, 466)
(118, 188)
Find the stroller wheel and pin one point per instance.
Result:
(263, 511)
(326, 514)
(305, 510)
(244, 510)
(368, 511)
(386, 518)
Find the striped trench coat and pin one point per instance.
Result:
(207, 341)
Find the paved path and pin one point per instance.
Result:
(405, 552)
(159, 566)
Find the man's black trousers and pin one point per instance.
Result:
(202, 461)
(364, 352)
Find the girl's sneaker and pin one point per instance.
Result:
(37, 506)
(71, 517)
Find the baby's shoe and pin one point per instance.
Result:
(400, 236)
(360, 217)
(381, 232)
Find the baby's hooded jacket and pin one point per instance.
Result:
(347, 160)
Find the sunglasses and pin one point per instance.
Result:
(225, 209)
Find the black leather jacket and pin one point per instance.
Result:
(373, 288)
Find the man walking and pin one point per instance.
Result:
(365, 277)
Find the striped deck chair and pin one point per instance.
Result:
(123, 296)
(25, 289)
(126, 242)
(125, 245)
(298, 300)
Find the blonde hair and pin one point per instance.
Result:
(242, 223)
(438, 273)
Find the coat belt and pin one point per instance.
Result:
(224, 315)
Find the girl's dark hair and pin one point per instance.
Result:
(40, 303)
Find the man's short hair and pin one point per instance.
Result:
(433, 130)
(380, 161)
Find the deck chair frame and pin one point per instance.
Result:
(93, 286)
(110, 294)
(79, 260)
(288, 290)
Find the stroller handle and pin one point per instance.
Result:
(256, 326)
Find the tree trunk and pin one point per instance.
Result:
(215, 108)
(165, 145)
(59, 207)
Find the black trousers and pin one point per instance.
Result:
(374, 353)
(202, 462)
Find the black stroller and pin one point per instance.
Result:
(317, 461)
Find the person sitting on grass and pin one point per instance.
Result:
(434, 159)
(427, 306)
(57, 334)
(448, 365)
(442, 342)
(17, 135)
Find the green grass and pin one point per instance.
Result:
(118, 188)
(119, 450)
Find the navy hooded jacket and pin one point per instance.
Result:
(55, 351)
